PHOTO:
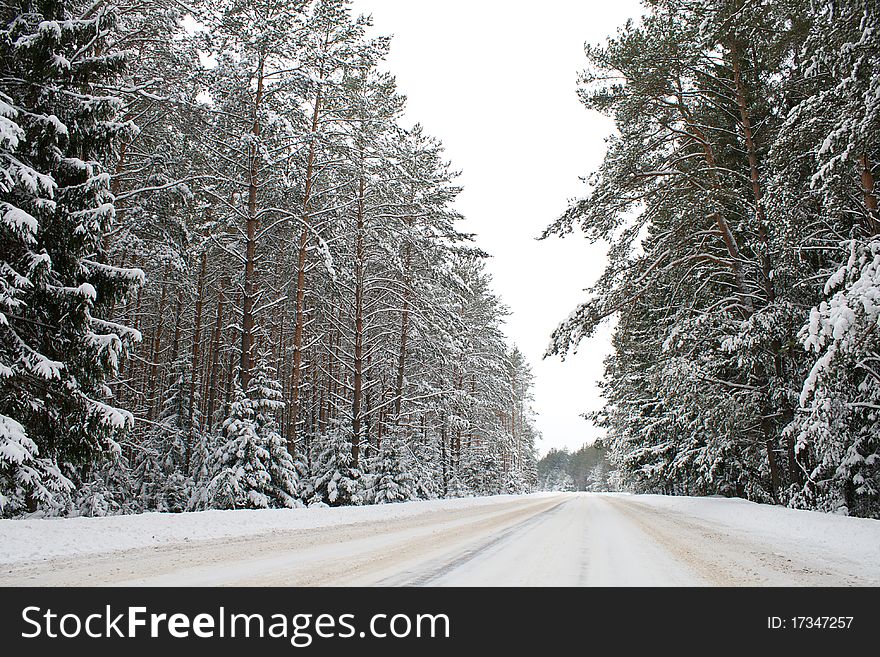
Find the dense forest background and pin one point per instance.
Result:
(585, 469)
(231, 276)
(739, 205)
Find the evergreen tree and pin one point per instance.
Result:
(57, 126)
(393, 479)
(737, 195)
(337, 482)
(266, 398)
(163, 466)
(106, 489)
(241, 465)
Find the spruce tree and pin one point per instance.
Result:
(394, 483)
(163, 468)
(337, 481)
(266, 398)
(57, 124)
(241, 478)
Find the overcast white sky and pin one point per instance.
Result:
(495, 80)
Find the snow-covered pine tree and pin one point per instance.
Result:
(394, 481)
(739, 193)
(266, 398)
(336, 481)
(258, 126)
(835, 117)
(256, 92)
(251, 465)
(164, 461)
(108, 488)
(702, 381)
(57, 124)
(424, 465)
(241, 463)
(335, 48)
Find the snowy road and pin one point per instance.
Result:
(562, 540)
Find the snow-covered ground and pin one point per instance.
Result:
(548, 539)
(811, 536)
(45, 538)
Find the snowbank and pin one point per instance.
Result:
(44, 538)
(821, 537)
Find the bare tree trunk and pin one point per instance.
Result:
(252, 224)
(115, 186)
(197, 332)
(322, 397)
(404, 337)
(358, 327)
(196, 348)
(332, 409)
(313, 409)
(213, 388)
(178, 316)
(135, 319)
(766, 265)
(116, 183)
(301, 266)
(380, 419)
(331, 373)
(443, 459)
(154, 351)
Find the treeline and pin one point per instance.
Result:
(739, 203)
(230, 276)
(583, 470)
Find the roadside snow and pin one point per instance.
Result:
(34, 539)
(820, 537)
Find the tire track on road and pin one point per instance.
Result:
(442, 567)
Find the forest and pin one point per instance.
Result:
(739, 205)
(585, 469)
(231, 274)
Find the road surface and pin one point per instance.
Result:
(564, 540)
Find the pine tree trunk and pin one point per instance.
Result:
(754, 174)
(314, 408)
(252, 224)
(301, 269)
(178, 317)
(459, 386)
(195, 362)
(116, 182)
(332, 409)
(772, 461)
(443, 459)
(196, 347)
(213, 378)
(768, 427)
(358, 327)
(149, 381)
(322, 397)
(404, 337)
(115, 186)
(331, 374)
(717, 217)
(380, 420)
